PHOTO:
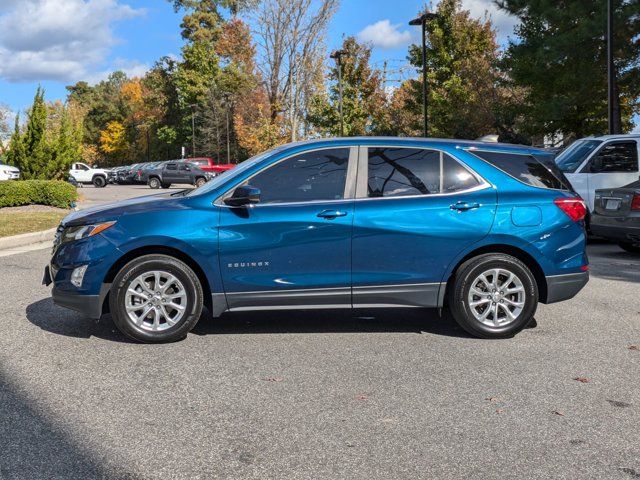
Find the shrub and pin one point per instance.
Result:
(54, 193)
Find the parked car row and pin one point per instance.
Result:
(192, 171)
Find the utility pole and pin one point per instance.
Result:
(337, 56)
(422, 21)
(193, 130)
(613, 102)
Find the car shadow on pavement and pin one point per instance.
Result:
(331, 321)
(54, 319)
(47, 316)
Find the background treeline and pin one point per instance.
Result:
(256, 73)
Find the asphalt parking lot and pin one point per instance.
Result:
(369, 394)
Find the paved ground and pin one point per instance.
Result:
(374, 394)
(91, 196)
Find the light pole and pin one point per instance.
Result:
(422, 21)
(193, 129)
(337, 56)
(612, 103)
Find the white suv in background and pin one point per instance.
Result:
(609, 161)
(83, 173)
(7, 172)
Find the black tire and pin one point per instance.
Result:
(166, 185)
(99, 181)
(200, 181)
(466, 275)
(149, 263)
(154, 182)
(630, 247)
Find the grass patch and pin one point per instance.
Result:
(15, 223)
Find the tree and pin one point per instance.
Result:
(16, 153)
(464, 91)
(364, 99)
(290, 36)
(34, 162)
(560, 60)
(64, 139)
(5, 130)
(113, 139)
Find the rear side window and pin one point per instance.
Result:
(525, 168)
(400, 172)
(171, 166)
(455, 177)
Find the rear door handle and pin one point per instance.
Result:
(329, 214)
(463, 206)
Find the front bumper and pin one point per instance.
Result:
(564, 287)
(88, 305)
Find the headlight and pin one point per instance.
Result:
(83, 231)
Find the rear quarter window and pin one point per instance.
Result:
(527, 169)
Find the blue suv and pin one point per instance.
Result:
(487, 230)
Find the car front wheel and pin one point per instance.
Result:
(493, 296)
(156, 299)
(99, 181)
(200, 181)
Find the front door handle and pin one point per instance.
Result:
(330, 214)
(463, 206)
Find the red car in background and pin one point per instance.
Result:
(208, 164)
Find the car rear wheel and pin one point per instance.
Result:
(166, 185)
(99, 181)
(156, 299)
(493, 296)
(154, 182)
(630, 247)
(200, 181)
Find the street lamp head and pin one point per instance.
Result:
(424, 18)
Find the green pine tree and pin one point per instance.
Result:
(16, 154)
(35, 162)
(560, 60)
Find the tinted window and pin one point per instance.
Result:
(184, 166)
(576, 153)
(616, 157)
(525, 168)
(455, 177)
(398, 172)
(311, 176)
(171, 166)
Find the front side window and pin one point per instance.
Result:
(616, 157)
(401, 172)
(311, 176)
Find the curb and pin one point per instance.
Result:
(27, 239)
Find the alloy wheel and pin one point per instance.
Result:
(496, 297)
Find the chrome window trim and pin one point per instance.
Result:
(363, 174)
(348, 190)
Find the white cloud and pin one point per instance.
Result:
(132, 68)
(60, 40)
(502, 21)
(385, 35)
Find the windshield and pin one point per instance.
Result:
(231, 174)
(572, 157)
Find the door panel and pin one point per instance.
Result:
(293, 248)
(275, 248)
(403, 245)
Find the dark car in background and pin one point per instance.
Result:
(141, 175)
(617, 216)
(169, 173)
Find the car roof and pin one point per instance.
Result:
(621, 136)
(422, 141)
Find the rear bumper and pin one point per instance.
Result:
(564, 287)
(618, 233)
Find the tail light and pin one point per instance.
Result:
(573, 207)
(635, 202)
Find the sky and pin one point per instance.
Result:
(56, 43)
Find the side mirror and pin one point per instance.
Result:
(596, 165)
(243, 196)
